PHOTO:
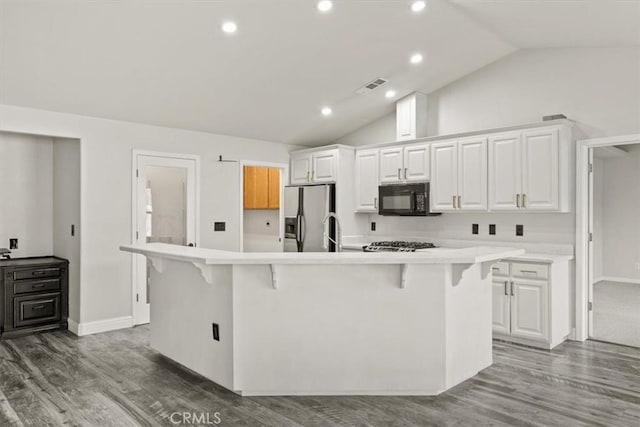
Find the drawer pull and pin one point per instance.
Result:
(38, 285)
(529, 272)
(38, 273)
(38, 307)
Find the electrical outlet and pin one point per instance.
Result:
(492, 229)
(373, 226)
(13, 243)
(216, 331)
(475, 228)
(519, 230)
(219, 226)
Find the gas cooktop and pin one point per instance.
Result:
(397, 246)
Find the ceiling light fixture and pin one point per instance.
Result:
(418, 6)
(390, 93)
(326, 111)
(229, 27)
(416, 58)
(324, 5)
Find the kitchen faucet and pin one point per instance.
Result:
(338, 240)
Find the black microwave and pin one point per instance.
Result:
(410, 199)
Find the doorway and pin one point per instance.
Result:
(165, 209)
(608, 239)
(262, 210)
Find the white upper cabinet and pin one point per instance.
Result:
(540, 175)
(459, 175)
(411, 117)
(408, 163)
(391, 160)
(366, 181)
(525, 172)
(314, 168)
(505, 171)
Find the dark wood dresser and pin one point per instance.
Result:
(35, 295)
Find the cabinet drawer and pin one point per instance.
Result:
(30, 310)
(500, 268)
(36, 273)
(530, 271)
(24, 287)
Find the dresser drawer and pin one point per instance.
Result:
(34, 309)
(30, 286)
(530, 271)
(36, 273)
(500, 268)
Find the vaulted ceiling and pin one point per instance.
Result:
(168, 63)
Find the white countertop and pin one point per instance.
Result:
(469, 255)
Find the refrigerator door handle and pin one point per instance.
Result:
(303, 230)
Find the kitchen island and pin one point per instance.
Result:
(324, 323)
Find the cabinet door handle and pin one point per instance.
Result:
(308, 179)
(459, 202)
(524, 200)
(506, 288)
(512, 291)
(399, 172)
(518, 200)
(454, 202)
(313, 175)
(375, 202)
(405, 173)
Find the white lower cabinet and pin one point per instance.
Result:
(531, 302)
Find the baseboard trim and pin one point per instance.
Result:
(73, 326)
(98, 326)
(620, 279)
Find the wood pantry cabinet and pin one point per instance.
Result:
(261, 188)
(34, 295)
(530, 302)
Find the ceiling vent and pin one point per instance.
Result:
(372, 85)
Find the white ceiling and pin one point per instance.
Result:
(166, 62)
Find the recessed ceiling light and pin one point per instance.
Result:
(326, 111)
(416, 58)
(324, 5)
(390, 93)
(418, 6)
(229, 27)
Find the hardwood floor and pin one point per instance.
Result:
(115, 379)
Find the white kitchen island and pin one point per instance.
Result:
(324, 323)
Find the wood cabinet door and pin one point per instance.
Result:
(256, 188)
(366, 181)
(540, 175)
(444, 174)
(472, 174)
(325, 165)
(391, 164)
(416, 163)
(274, 188)
(505, 171)
(300, 169)
(500, 306)
(529, 309)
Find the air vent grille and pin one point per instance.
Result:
(372, 85)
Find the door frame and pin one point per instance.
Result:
(583, 215)
(134, 211)
(284, 181)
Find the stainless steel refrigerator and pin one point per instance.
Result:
(304, 209)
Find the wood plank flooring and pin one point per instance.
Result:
(115, 379)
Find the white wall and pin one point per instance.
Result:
(66, 212)
(26, 193)
(106, 147)
(258, 236)
(621, 216)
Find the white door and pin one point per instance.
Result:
(500, 305)
(366, 181)
(416, 163)
(405, 117)
(444, 174)
(324, 166)
(505, 171)
(391, 164)
(165, 212)
(529, 309)
(540, 175)
(300, 169)
(472, 174)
